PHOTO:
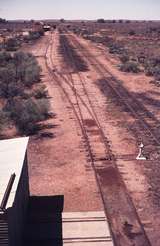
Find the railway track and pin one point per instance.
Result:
(125, 224)
(146, 133)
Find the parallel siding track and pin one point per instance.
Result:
(125, 224)
(145, 119)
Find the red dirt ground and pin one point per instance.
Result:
(59, 165)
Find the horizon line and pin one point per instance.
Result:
(79, 19)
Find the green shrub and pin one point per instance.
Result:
(153, 71)
(21, 68)
(41, 92)
(152, 67)
(12, 44)
(27, 68)
(5, 58)
(130, 66)
(141, 58)
(9, 86)
(27, 113)
(3, 119)
(115, 48)
(17, 73)
(44, 108)
(27, 95)
(3, 21)
(100, 21)
(34, 35)
(124, 58)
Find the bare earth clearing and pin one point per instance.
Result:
(62, 165)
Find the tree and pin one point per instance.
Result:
(100, 21)
(2, 21)
(62, 20)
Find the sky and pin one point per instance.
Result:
(80, 9)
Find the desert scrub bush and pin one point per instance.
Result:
(41, 92)
(5, 58)
(101, 21)
(130, 66)
(152, 67)
(44, 108)
(9, 87)
(153, 71)
(3, 21)
(12, 44)
(27, 68)
(27, 113)
(141, 58)
(3, 119)
(124, 58)
(34, 35)
(24, 106)
(17, 72)
(116, 48)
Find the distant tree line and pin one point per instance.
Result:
(3, 21)
(14, 43)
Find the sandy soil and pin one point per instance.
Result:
(60, 165)
(116, 124)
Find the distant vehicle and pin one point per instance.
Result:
(46, 28)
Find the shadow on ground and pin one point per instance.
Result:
(44, 221)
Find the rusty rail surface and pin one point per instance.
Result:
(126, 226)
(145, 118)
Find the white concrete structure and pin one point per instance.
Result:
(86, 229)
(12, 155)
(14, 192)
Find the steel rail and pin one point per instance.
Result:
(93, 113)
(78, 116)
(102, 70)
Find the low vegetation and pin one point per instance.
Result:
(33, 35)
(28, 113)
(136, 44)
(23, 98)
(130, 67)
(3, 21)
(12, 44)
(152, 67)
(3, 119)
(100, 21)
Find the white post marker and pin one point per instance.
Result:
(140, 155)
